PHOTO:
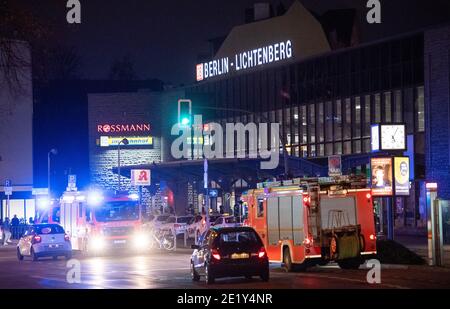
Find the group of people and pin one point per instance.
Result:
(10, 226)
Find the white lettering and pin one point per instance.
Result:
(270, 53)
(277, 58)
(74, 14)
(289, 49)
(282, 55)
(374, 14)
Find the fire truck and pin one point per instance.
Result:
(97, 222)
(313, 221)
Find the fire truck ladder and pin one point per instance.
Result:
(314, 224)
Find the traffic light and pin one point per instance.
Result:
(184, 112)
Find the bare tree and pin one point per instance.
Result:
(122, 69)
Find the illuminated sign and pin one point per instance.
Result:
(245, 60)
(381, 176)
(108, 141)
(401, 175)
(140, 178)
(119, 128)
(334, 166)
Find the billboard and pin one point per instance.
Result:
(334, 166)
(110, 141)
(401, 175)
(381, 176)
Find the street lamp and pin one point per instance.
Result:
(53, 151)
(124, 142)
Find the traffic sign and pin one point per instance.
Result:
(213, 193)
(8, 191)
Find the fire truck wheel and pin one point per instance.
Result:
(362, 243)
(194, 275)
(209, 278)
(349, 263)
(287, 261)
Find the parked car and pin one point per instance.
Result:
(178, 224)
(226, 221)
(199, 226)
(194, 226)
(159, 220)
(44, 240)
(229, 252)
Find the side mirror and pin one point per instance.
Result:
(195, 247)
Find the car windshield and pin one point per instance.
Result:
(184, 219)
(48, 229)
(233, 238)
(162, 218)
(117, 211)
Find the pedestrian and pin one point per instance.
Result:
(6, 232)
(30, 220)
(15, 221)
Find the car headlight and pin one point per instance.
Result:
(140, 241)
(97, 243)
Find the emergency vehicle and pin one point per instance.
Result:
(310, 221)
(97, 222)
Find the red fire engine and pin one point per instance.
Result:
(97, 222)
(313, 221)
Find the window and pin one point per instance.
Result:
(320, 128)
(260, 210)
(338, 121)
(347, 147)
(329, 121)
(377, 116)
(303, 125)
(367, 121)
(398, 107)
(348, 119)
(387, 107)
(338, 148)
(357, 123)
(420, 107)
(312, 124)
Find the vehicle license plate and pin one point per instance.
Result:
(237, 256)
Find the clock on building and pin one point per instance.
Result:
(388, 137)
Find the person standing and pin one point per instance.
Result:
(6, 232)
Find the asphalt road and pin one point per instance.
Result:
(171, 270)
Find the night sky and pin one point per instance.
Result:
(164, 37)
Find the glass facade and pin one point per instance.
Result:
(326, 105)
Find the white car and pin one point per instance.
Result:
(226, 221)
(159, 221)
(44, 240)
(198, 225)
(178, 224)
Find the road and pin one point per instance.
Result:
(171, 270)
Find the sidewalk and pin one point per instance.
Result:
(419, 245)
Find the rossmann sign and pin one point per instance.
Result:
(123, 128)
(245, 60)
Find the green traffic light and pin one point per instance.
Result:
(185, 121)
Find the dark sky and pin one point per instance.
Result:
(164, 37)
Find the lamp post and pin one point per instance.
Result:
(53, 151)
(124, 142)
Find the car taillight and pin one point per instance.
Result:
(176, 225)
(37, 239)
(262, 253)
(66, 237)
(215, 254)
(372, 237)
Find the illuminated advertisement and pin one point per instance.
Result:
(381, 176)
(123, 128)
(334, 166)
(109, 141)
(245, 60)
(401, 175)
